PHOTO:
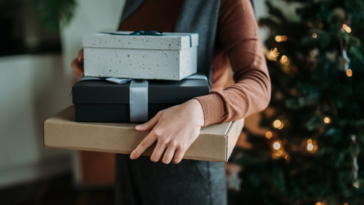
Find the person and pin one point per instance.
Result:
(157, 180)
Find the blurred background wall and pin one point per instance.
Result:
(35, 82)
(32, 87)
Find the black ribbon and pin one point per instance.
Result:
(141, 33)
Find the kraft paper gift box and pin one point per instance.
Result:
(215, 142)
(104, 101)
(169, 56)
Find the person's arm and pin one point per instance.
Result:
(238, 34)
(176, 128)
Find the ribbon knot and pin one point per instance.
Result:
(140, 33)
(149, 33)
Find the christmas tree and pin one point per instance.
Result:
(310, 151)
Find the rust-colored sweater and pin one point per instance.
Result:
(237, 44)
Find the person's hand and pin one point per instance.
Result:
(77, 65)
(174, 129)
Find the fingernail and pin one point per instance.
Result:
(139, 126)
(132, 156)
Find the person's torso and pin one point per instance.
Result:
(162, 15)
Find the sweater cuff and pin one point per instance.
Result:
(213, 108)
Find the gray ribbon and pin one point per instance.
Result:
(138, 95)
(138, 101)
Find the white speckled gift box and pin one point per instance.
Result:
(172, 56)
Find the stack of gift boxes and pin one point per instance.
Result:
(129, 77)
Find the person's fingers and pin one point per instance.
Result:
(80, 74)
(77, 68)
(144, 145)
(80, 55)
(74, 66)
(183, 146)
(180, 152)
(168, 155)
(148, 125)
(159, 150)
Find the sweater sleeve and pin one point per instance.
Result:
(238, 34)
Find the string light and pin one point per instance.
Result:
(287, 158)
(346, 204)
(278, 124)
(275, 156)
(327, 120)
(318, 203)
(314, 35)
(309, 24)
(286, 68)
(281, 38)
(276, 145)
(349, 73)
(347, 28)
(284, 59)
(273, 54)
(356, 184)
(268, 134)
(309, 145)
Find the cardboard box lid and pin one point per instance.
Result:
(121, 39)
(215, 142)
(159, 91)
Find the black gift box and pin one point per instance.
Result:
(102, 101)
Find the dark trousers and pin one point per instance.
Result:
(143, 182)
